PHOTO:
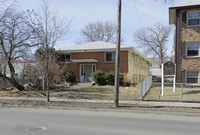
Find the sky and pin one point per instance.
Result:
(136, 14)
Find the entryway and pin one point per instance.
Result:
(85, 72)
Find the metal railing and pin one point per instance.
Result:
(138, 78)
(145, 86)
(183, 92)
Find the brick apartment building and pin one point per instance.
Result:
(186, 18)
(86, 58)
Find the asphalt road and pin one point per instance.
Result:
(77, 122)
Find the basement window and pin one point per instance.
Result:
(192, 76)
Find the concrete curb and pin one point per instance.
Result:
(138, 103)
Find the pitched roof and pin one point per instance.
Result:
(93, 47)
(187, 3)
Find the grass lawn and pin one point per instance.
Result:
(17, 93)
(189, 93)
(91, 92)
(104, 93)
(30, 92)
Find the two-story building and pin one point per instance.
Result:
(86, 58)
(186, 18)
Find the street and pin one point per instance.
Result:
(20, 121)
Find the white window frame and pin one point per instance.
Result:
(192, 18)
(192, 71)
(109, 61)
(187, 50)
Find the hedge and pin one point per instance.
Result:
(106, 78)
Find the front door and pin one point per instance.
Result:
(86, 71)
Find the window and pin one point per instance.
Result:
(93, 68)
(68, 58)
(192, 76)
(110, 56)
(82, 70)
(65, 58)
(193, 49)
(193, 18)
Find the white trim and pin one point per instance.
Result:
(95, 50)
(95, 68)
(80, 79)
(84, 60)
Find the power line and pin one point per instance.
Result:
(137, 13)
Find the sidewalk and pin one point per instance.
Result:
(139, 103)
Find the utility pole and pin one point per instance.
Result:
(47, 71)
(117, 58)
(47, 54)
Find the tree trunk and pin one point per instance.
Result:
(17, 85)
(13, 82)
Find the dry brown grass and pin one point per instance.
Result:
(17, 93)
(30, 91)
(104, 93)
(92, 92)
(189, 93)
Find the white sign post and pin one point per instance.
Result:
(162, 82)
(41, 77)
(168, 68)
(174, 82)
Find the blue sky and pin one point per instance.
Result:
(86, 11)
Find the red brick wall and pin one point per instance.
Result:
(101, 64)
(184, 35)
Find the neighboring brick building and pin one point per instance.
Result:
(87, 58)
(186, 18)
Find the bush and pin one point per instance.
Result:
(121, 79)
(69, 76)
(99, 77)
(110, 78)
(102, 78)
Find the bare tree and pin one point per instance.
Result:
(32, 75)
(16, 38)
(50, 29)
(98, 31)
(154, 40)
